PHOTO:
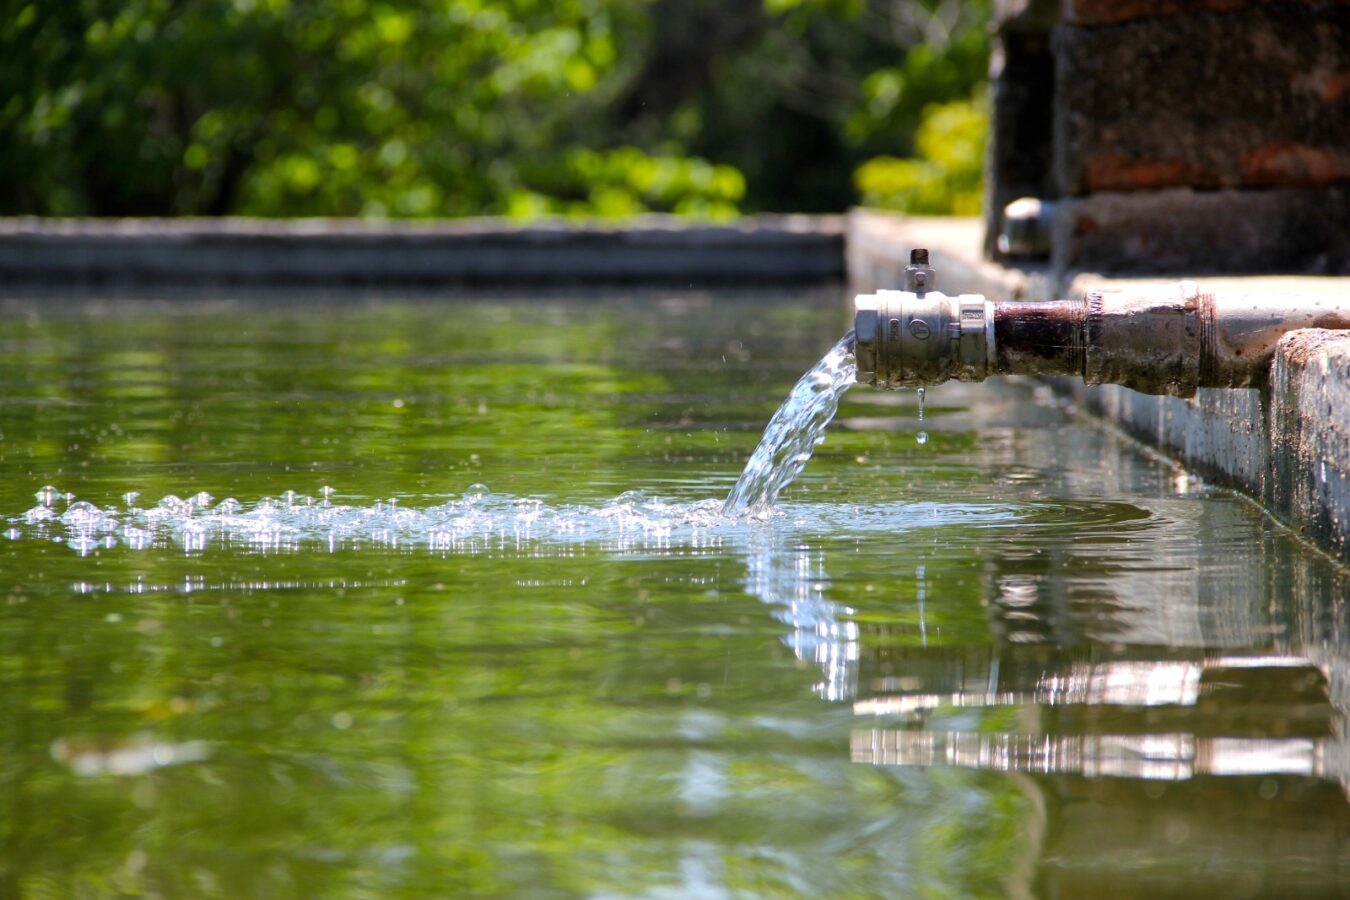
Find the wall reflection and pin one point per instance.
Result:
(1072, 711)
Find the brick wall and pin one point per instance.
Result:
(1184, 136)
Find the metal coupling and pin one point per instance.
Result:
(919, 337)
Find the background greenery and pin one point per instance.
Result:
(464, 107)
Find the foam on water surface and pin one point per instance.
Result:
(480, 521)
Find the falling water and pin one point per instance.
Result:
(793, 432)
(922, 436)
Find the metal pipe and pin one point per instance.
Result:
(1167, 338)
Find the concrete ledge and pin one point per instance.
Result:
(1288, 448)
(654, 249)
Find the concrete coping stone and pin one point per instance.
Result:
(478, 251)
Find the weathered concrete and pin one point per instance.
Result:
(1310, 435)
(1287, 447)
(476, 251)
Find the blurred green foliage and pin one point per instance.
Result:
(946, 178)
(461, 107)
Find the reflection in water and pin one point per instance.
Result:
(1166, 756)
(1131, 709)
(1171, 717)
(791, 578)
(136, 755)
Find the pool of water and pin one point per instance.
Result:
(368, 597)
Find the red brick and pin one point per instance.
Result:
(1294, 165)
(1111, 171)
(1254, 98)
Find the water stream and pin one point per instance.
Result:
(794, 431)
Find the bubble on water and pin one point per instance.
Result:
(288, 498)
(13, 534)
(229, 506)
(39, 514)
(476, 491)
(172, 504)
(202, 499)
(130, 498)
(82, 514)
(48, 495)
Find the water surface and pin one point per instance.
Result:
(348, 596)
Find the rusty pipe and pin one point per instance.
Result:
(1167, 338)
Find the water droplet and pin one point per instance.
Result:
(921, 437)
(130, 498)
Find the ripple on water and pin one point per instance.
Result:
(481, 521)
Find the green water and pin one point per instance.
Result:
(1022, 659)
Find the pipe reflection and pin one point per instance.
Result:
(790, 576)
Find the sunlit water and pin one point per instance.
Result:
(351, 597)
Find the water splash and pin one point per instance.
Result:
(478, 521)
(793, 432)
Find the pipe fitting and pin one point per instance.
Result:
(1167, 338)
(904, 339)
(919, 335)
